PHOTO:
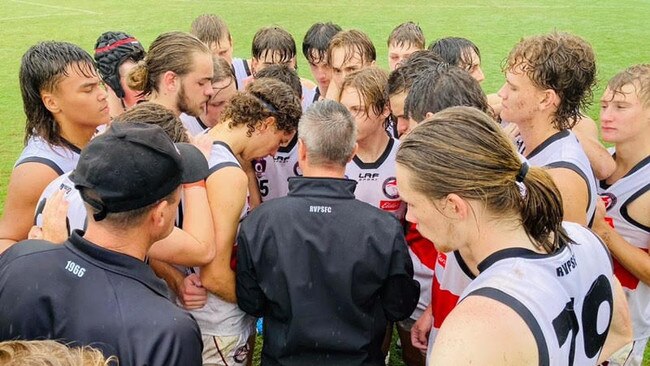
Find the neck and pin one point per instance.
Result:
(371, 148)
(232, 137)
(493, 236)
(165, 101)
(629, 154)
(78, 135)
(535, 132)
(133, 242)
(323, 171)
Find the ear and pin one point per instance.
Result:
(170, 81)
(428, 115)
(158, 215)
(254, 63)
(50, 102)
(456, 207)
(302, 150)
(549, 99)
(266, 124)
(386, 112)
(354, 152)
(373, 63)
(294, 63)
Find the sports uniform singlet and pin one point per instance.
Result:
(273, 172)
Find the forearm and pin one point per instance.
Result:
(633, 259)
(219, 279)
(601, 161)
(172, 276)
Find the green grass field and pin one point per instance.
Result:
(617, 30)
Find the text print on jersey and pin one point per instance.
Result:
(320, 209)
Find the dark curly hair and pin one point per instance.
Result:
(562, 62)
(263, 98)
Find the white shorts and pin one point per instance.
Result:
(226, 350)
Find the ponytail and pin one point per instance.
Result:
(541, 209)
(137, 78)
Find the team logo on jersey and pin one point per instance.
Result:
(609, 199)
(296, 170)
(442, 259)
(260, 167)
(390, 188)
(241, 354)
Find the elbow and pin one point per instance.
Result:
(219, 287)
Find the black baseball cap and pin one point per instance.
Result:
(133, 165)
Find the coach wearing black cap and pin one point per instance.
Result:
(95, 289)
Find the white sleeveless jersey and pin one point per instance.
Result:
(241, 72)
(76, 218)
(563, 150)
(565, 298)
(273, 172)
(376, 182)
(61, 159)
(617, 197)
(309, 96)
(451, 276)
(193, 125)
(219, 317)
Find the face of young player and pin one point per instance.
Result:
(623, 117)
(473, 66)
(196, 86)
(368, 124)
(271, 58)
(131, 97)
(397, 54)
(342, 65)
(518, 97)
(223, 92)
(222, 49)
(429, 217)
(81, 100)
(404, 125)
(321, 71)
(266, 141)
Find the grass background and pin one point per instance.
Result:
(617, 30)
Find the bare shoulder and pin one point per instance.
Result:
(483, 331)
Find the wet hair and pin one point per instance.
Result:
(210, 29)
(317, 39)
(370, 83)
(353, 41)
(112, 49)
(456, 51)
(270, 40)
(562, 62)
(155, 114)
(221, 72)
(329, 133)
(464, 139)
(42, 67)
(172, 51)
(445, 86)
(51, 353)
(263, 98)
(407, 34)
(401, 79)
(285, 74)
(639, 77)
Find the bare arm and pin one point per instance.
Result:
(483, 331)
(574, 193)
(188, 289)
(601, 161)
(421, 330)
(635, 260)
(194, 244)
(27, 182)
(227, 189)
(620, 330)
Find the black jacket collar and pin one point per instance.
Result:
(322, 187)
